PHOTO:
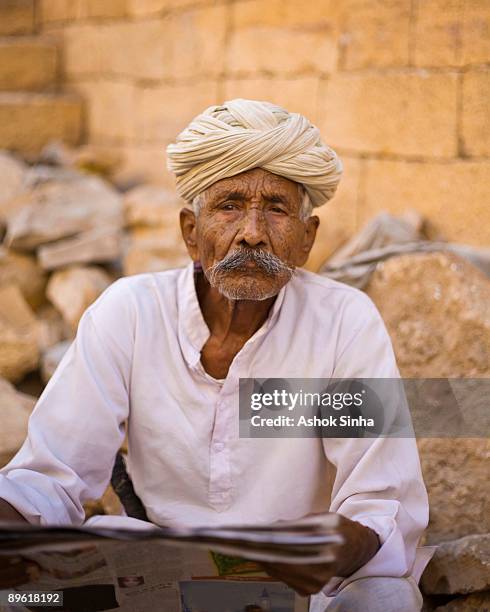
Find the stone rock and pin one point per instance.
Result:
(22, 270)
(19, 352)
(150, 205)
(72, 291)
(55, 210)
(459, 566)
(51, 359)
(440, 321)
(91, 159)
(153, 250)
(52, 328)
(12, 174)
(435, 307)
(95, 246)
(16, 408)
(476, 602)
(456, 475)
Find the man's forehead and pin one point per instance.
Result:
(257, 179)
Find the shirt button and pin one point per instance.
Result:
(219, 446)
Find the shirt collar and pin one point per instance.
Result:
(192, 329)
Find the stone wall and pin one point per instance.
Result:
(398, 87)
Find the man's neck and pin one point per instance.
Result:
(227, 318)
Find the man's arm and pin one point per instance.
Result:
(378, 491)
(77, 425)
(9, 513)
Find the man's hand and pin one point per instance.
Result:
(360, 545)
(15, 571)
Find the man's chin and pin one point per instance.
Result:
(247, 291)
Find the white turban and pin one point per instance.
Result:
(243, 134)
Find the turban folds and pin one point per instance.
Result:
(243, 134)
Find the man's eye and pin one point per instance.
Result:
(277, 209)
(228, 206)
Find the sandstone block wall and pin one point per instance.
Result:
(399, 87)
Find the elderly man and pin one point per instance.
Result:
(164, 352)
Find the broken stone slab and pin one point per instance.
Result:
(141, 257)
(19, 350)
(89, 158)
(16, 409)
(51, 358)
(150, 205)
(52, 327)
(476, 602)
(459, 566)
(12, 176)
(55, 210)
(439, 321)
(71, 291)
(23, 270)
(95, 246)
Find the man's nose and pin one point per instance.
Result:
(253, 230)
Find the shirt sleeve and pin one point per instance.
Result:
(378, 480)
(77, 425)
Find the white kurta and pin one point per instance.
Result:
(136, 357)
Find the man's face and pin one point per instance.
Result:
(249, 235)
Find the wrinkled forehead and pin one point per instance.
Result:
(256, 182)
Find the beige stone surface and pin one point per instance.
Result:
(16, 408)
(338, 218)
(322, 14)
(162, 112)
(404, 114)
(23, 270)
(151, 205)
(459, 566)
(52, 11)
(184, 45)
(476, 602)
(475, 124)
(160, 7)
(16, 17)
(375, 33)
(51, 358)
(111, 110)
(72, 290)
(94, 246)
(27, 63)
(438, 33)
(29, 120)
(298, 95)
(452, 33)
(61, 209)
(439, 321)
(476, 33)
(12, 175)
(145, 163)
(260, 35)
(19, 352)
(453, 197)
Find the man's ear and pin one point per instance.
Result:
(312, 224)
(188, 224)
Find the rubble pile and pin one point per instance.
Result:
(440, 327)
(68, 229)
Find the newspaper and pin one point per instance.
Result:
(118, 563)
